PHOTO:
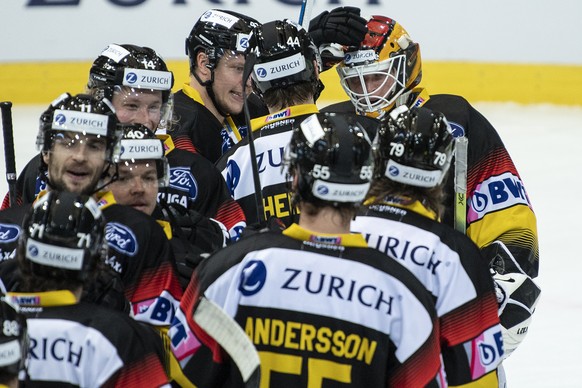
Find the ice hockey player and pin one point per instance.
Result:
(384, 72)
(414, 149)
(74, 343)
(78, 140)
(206, 107)
(314, 299)
(142, 170)
(289, 92)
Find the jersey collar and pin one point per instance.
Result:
(416, 206)
(44, 299)
(294, 111)
(344, 239)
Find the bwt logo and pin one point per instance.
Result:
(60, 119)
(261, 72)
(393, 171)
(252, 278)
(131, 78)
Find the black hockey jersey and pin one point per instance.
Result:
(498, 207)
(453, 270)
(83, 345)
(272, 134)
(138, 250)
(318, 308)
(195, 183)
(198, 130)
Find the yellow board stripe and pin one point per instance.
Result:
(33, 83)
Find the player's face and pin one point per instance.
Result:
(76, 161)
(137, 185)
(134, 106)
(227, 85)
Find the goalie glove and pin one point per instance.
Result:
(517, 296)
(342, 25)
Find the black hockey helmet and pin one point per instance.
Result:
(217, 31)
(84, 115)
(331, 155)
(63, 236)
(132, 66)
(13, 338)
(139, 143)
(414, 147)
(285, 56)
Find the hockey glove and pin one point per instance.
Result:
(342, 25)
(517, 296)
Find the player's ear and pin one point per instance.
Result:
(46, 157)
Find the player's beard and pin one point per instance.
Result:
(89, 189)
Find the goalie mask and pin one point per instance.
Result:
(414, 147)
(285, 56)
(63, 237)
(330, 155)
(383, 67)
(131, 71)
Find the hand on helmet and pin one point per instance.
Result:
(342, 25)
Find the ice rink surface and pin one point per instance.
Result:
(545, 143)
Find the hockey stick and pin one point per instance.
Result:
(305, 13)
(6, 108)
(231, 338)
(461, 144)
(249, 63)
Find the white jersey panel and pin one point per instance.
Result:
(436, 265)
(270, 152)
(322, 285)
(67, 351)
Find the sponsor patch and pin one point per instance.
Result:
(339, 192)
(54, 256)
(115, 52)
(9, 233)
(252, 278)
(411, 175)
(220, 18)
(121, 238)
(83, 122)
(496, 193)
(147, 79)
(141, 149)
(280, 68)
(360, 56)
(181, 178)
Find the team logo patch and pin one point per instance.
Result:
(252, 278)
(9, 233)
(121, 238)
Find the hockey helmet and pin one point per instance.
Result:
(384, 66)
(217, 31)
(285, 56)
(132, 66)
(83, 115)
(139, 144)
(331, 155)
(414, 147)
(63, 236)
